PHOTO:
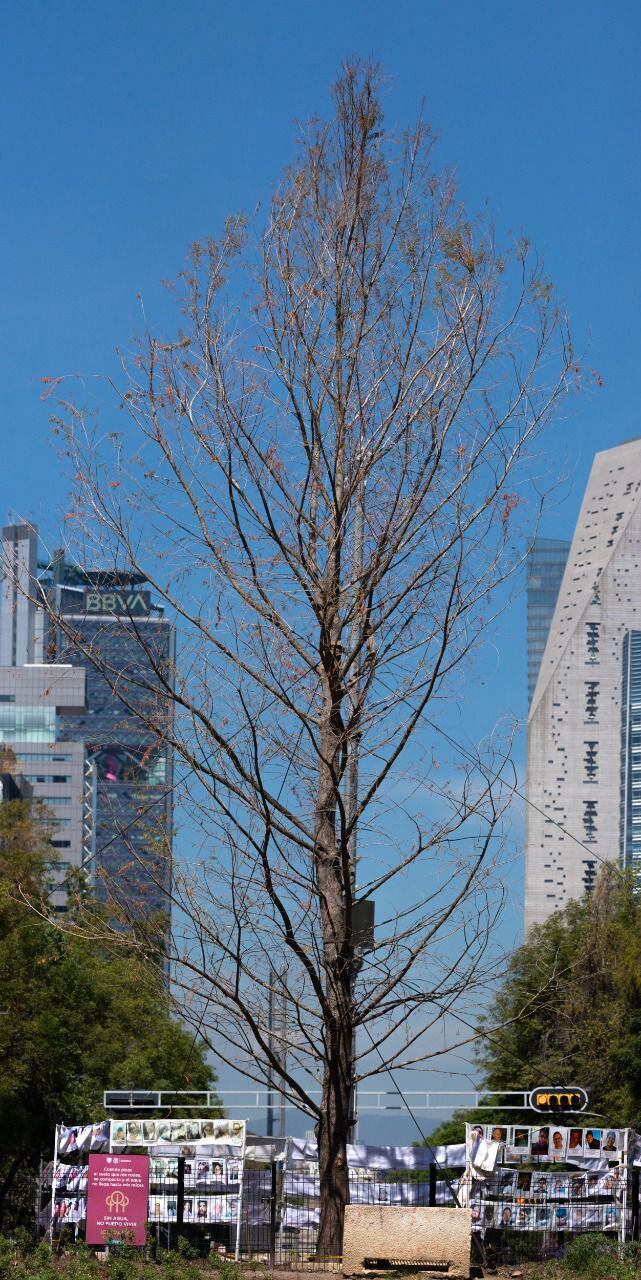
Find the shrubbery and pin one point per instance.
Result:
(21, 1260)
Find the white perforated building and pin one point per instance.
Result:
(584, 728)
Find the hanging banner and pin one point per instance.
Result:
(83, 1137)
(145, 1133)
(548, 1142)
(303, 1151)
(117, 1195)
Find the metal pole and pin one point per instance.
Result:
(282, 1055)
(624, 1197)
(634, 1195)
(272, 1215)
(354, 749)
(53, 1185)
(241, 1189)
(270, 1039)
(180, 1195)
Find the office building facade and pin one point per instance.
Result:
(37, 702)
(630, 827)
(88, 754)
(584, 726)
(545, 568)
(114, 619)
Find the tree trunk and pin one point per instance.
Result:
(332, 1133)
(335, 893)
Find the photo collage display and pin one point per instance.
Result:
(195, 1208)
(70, 1199)
(212, 1185)
(546, 1217)
(538, 1201)
(69, 1210)
(71, 1178)
(87, 1137)
(525, 1184)
(547, 1142)
(212, 1189)
(144, 1133)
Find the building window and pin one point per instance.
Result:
(589, 819)
(592, 640)
(590, 761)
(589, 874)
(47, 777)
(591, 699)
(42, 757)
(27, 724)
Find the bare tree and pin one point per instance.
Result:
(316, 477)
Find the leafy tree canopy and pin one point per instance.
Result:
(76, 1017)
(568, 1011)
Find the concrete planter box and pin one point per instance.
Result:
(380, 1238)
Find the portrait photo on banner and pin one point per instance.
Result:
(592, 1141)
(540, 1140)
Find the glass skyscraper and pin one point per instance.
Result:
(77, 732)
(112, 617)
(545, 569)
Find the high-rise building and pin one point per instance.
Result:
(102, 773)
(545, 568)
(36, 703)
(630, 828)
(113, 619)
(20, 622)
(584, 728)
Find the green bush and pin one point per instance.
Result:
(41, 1264)
(226, 1267)
(186, 1250)
(596, 1257)
(7, 1258)
(82, 1264)
(122, 1264)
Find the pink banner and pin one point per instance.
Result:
(117, 1196)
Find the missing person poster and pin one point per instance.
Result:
(144, 1133)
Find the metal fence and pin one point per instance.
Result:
(523, 1214)
(517, 1214)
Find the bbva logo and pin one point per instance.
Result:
(118, 602)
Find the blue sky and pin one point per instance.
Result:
(132, 129)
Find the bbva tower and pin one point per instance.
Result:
(584, 725)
